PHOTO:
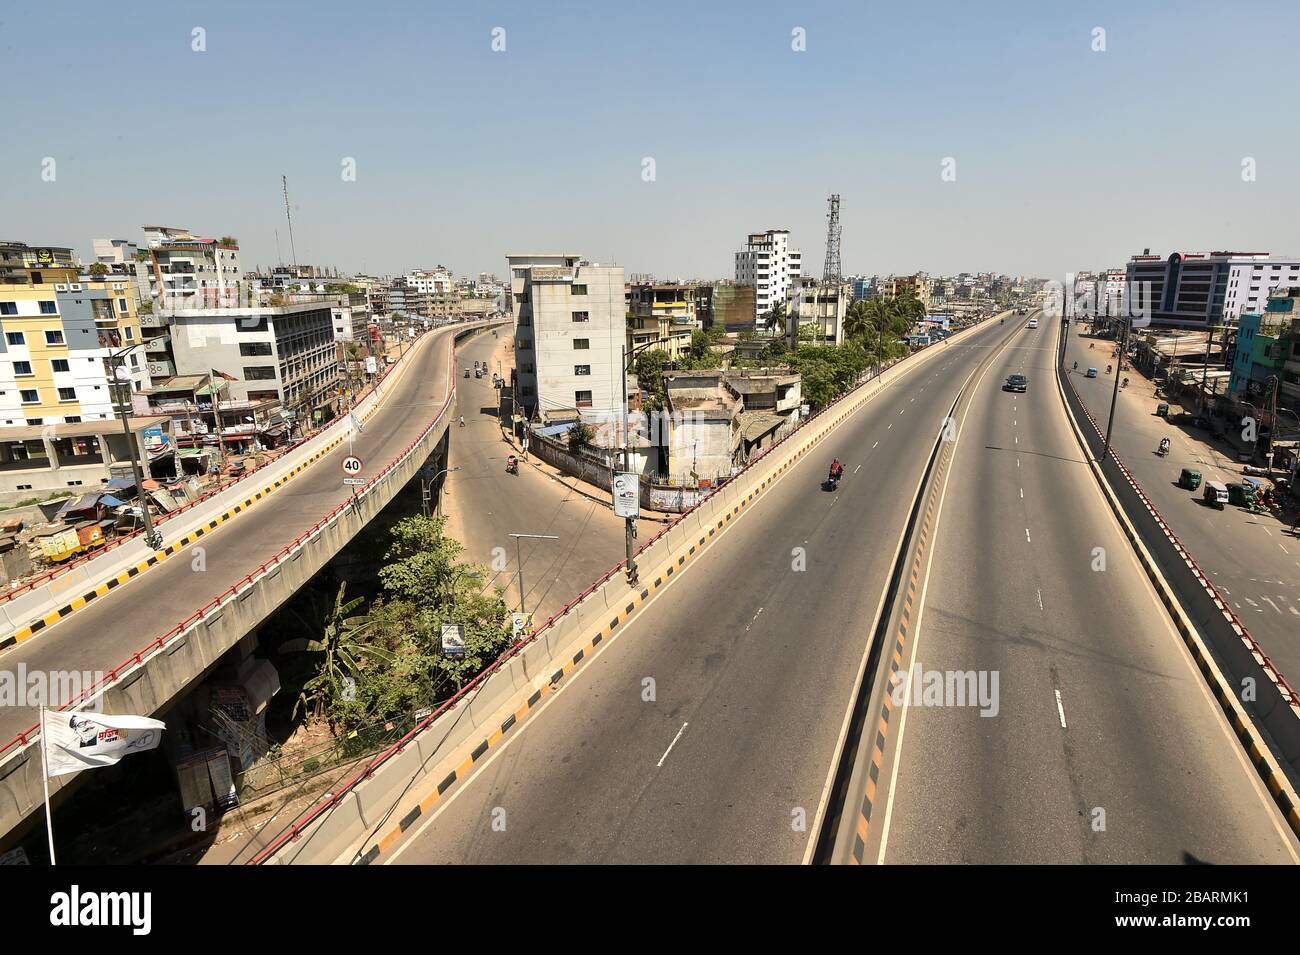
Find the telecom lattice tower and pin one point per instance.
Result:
(831, 272)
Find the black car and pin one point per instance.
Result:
(1017, 383)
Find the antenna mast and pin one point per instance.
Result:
(288, 218)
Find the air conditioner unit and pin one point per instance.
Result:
(60, 286)
(74, 287)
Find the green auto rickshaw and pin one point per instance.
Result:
(1241, 495)
(1189, 479)
(1162, 410)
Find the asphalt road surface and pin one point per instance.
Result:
(104, 633)
(1104, 745)
(484, 504)
(1253, 559)
(752, 663)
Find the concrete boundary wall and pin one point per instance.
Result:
(42, 606)
(362, 811)
(1276, 708)
(145, 683)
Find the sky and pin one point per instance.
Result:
(1066, 156)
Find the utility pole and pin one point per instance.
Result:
(629, 523)
(520, 561)
(1114, 395)
(152, 538)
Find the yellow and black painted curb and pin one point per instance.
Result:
(33, 628)
(36, 626)
(1261, 757)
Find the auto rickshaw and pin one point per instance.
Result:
(1215, 494)
(1162, 410)
(1241, 495)
(1189, 479)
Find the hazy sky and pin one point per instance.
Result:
(1066, 158)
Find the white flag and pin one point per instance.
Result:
(356, 422)
(77, 741)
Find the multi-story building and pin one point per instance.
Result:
(61, 341)
(115, 251)
(570, 330)
(1200, 289)
(918, 283)
(769, 264)
(662, 315)
(727, 304)
(281, 352)
(821, 309)
(21, 264)
(186, 270)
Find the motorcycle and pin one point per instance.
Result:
(1124, 383)
(1108, 367)
(512, 466)
(1164, 447)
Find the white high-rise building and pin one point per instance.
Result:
(769, 264)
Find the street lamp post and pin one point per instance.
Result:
(519, 560)
(424, 491)
(152, 538)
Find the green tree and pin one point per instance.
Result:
(579, 435)
(99, 270)
(649, 368)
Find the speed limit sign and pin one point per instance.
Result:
(352, 465)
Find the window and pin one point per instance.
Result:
(130, 333)
(54, 337)
(582, 399)
(73, 419)
(582, 316)
(30, 396)
(67, 394)
(259, 372)
(579, 290)
(254, 349)
(121, 305)
(49, 308)
(22, 368)
(582, 343)
(9, 308)
(60, 364)
(582, 369)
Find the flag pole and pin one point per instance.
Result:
(45, 778)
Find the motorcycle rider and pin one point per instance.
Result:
(1164, 446)
(837, 470)
(512, 464)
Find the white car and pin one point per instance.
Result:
(1033, 323)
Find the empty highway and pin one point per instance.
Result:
(705, 731)
(1104, 745)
